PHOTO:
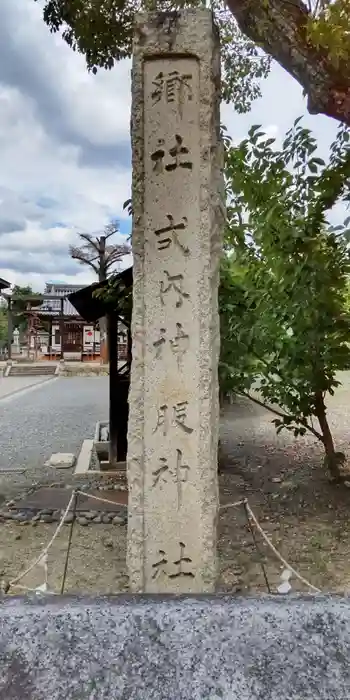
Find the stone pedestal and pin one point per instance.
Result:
(170, 648)
(178, 215)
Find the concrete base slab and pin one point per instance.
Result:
(84, 457)
(61, 460)
(93, 451)
(174, 648)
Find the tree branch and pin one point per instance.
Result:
(91, 241)
(281, 29)
(115, 253)
(111, 229)
(84, 261)
(304, 423)
(275, 411)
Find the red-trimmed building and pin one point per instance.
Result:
(56, 327)
(56, 330)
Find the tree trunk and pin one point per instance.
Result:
(332, 459)
(102, 276)
(280, 28)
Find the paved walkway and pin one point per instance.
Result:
(54, 417)
(11, 385)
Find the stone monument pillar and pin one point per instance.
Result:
(178, 215)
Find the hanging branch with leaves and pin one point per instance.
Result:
(284, 279)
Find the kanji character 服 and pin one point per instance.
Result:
(162, 419)
(180, 416)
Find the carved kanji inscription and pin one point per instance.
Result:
(175, 415)
(180, 568)
(174, 88)
(168, 160)
(175, 283)
(176, 472)
(168, 235)
(179, 343)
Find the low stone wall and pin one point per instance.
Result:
(49, 515)
(174, 648)
(82, 369)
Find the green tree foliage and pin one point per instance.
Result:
(102, 32)
(309, 39)
(282, 292)
(329, 29)
(347, 297)
(25, 296)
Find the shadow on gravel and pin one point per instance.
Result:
(284, 473)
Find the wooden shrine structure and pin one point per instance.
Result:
(116, 306)
(4, 284)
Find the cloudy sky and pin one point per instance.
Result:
(64, 144)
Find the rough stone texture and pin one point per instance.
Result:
(178, 215)
(61, 460)
(192, 648)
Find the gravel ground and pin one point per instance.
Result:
(96, 563)
(284, 480)
(287, 486)
(55, 417)
(11, 385)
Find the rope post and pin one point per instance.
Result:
(74, 504)
(256, 546)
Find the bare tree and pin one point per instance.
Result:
(96, 252)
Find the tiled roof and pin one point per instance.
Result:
(61, 289)
(52, 307)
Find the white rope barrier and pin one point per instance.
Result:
(244, 502)
(45, 551)
(276, 553)
(232, 505)
(98, 498)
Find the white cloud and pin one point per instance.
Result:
(282, 102)
(64, 143)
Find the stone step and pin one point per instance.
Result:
(32, 370)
